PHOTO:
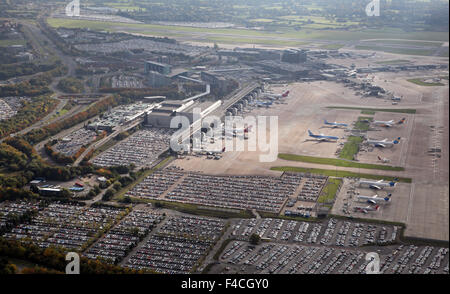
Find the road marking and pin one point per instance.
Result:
(411, 196)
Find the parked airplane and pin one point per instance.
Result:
(375, 199)
(264, 103)
(388, 124)
(366, 209)
(383, 143)
(377, 185)
(276, 96)
(323, 137)
(213, 152)
(334, 124)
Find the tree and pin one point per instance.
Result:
(255, 239)
(108, 194)
(126, 199)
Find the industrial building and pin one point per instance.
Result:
(293, 71)
(161, 68)
(161, 116)
(156, 80)
(121, 115)
(218, 83)
(294, 56)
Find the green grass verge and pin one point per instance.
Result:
(396, 110)
(422, 83)
(281, 216)
(351, 148)
(368, 112)
(222, 248)
(361, 124)
(332, 46)
(329, 191)
(6, 43)
(337, 162)
(338, 173)
(197, 210)
(368, 220)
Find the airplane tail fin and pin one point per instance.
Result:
(379, 158)
(376, 207)
(402, 121)
(392, 184)
(310, 133)
(325, 121)
(397, 141)
(388, 197)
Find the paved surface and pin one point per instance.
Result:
(423, 206)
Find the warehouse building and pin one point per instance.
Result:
(161, 68)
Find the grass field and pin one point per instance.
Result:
(422, 83)
(405, 51)
(288, 33)
(238, 40)
(329, 191)
(338, 173)
(373, 110)
(332, 46)
(5, 43)
(406, 42)
(351, 148)
(337, 162)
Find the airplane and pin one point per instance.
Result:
(377, 185)
(366, 209)
(323, 137)
(264, 103)
(374, 199)
(334, 124)
(276, 96)
(383, 143)
(388, 124)
(214, 152)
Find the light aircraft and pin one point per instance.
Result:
(375, 199)
(383, 143)
(323, 137)
(388, 124)
(334, 124)
(366, 209)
